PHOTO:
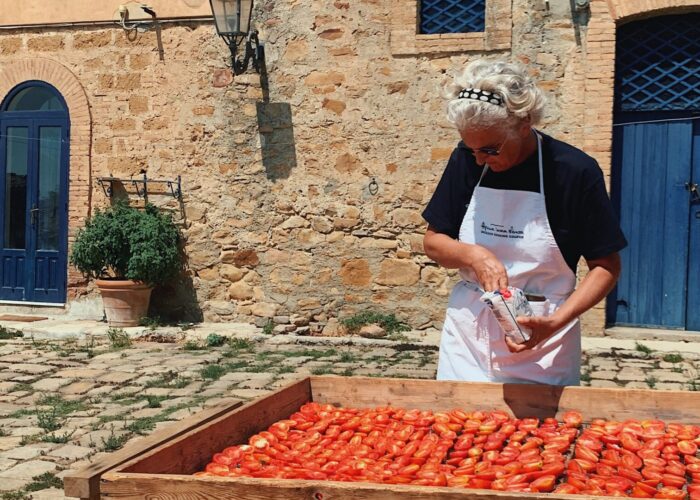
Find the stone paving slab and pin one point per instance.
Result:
(108, 396)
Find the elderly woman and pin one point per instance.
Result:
(517, 207)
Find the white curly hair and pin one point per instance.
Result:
(521, 97)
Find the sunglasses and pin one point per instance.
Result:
(488, 150)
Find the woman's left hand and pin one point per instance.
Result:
(542, 328)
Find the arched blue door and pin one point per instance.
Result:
(656, 172)
(34, 148)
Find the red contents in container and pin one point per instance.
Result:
(477, 449)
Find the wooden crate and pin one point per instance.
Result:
(164, 471)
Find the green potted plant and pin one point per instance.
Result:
(128, 251)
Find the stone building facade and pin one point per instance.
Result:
(302, 192)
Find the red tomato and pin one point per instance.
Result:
(640, 493)
(566, 489)
(532, 466)
(578, 480)
(585, 454)
(676, 468)
(631, 461)
(687, 447)
(572, 419)
(518, 436)
(605, 470)
(217, 469)
(630, 442)
(618, 483)
(629, 473)
(671, 493)
(544, 483)
(481, 484)
(647, 453)
(673, 481)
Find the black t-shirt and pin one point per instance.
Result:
(580, 213)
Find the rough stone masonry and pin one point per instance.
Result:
(279, 211)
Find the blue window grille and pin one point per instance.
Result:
(658, 64)
(452, 16)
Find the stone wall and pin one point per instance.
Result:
(279, 210)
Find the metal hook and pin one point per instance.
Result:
(373, 187)
(106, 187)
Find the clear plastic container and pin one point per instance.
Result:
(507, 305)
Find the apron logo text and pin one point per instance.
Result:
(501, 231)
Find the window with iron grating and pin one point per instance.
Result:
(658, 64)
(452, 16)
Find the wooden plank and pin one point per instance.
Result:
(520, 400)
(85, 482)
(166, 487)
(191, 451)
(165, 472)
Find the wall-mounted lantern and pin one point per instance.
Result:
(232, 18)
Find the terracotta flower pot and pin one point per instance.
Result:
(125, 301)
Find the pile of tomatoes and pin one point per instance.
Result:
(478, 449)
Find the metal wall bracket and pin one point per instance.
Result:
(173, 187)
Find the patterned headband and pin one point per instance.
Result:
(481, 95)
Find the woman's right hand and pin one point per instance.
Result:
(488, 269)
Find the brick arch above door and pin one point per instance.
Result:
(623, 9)
(65, 82)
(606, 16)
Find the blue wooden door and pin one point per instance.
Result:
(693, 311)
(34, 187)
(652, 173)
(655, 166)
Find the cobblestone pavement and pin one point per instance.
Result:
(65, 402)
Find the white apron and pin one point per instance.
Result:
(514, 226)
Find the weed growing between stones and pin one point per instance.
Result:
(240, 344)
(8, 333)
(213, 372)
(347, 357)
(673, 358)
(114, 442)
(215, 340)
(170, 380)
(15, 495)
(22, 386)
(41, 482)
(151, 322)
(118, 338)
(643, 349)
(61, 406)
(142, 425)
(322, 370)
(651, 382)
(57, 438)
(48, 420)
(192, 345)
(44, 481)
(269, 327)
(388, 322)
(154, 401)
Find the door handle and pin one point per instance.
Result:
(33, 213)
(694, 193)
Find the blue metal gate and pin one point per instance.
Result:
(34, 131)
(655, 173)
